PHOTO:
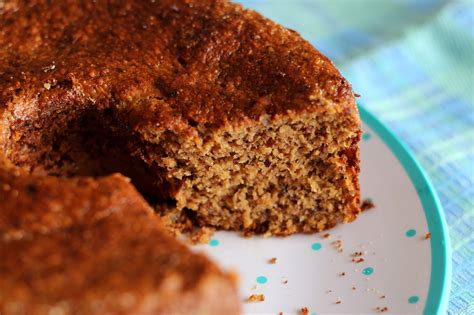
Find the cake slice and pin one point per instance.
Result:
(88, 246)
(220, 116)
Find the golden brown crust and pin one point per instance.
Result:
(41, 204)
(213, 62)
(87, 246)
(118, 265)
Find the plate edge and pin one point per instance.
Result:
(440, 278)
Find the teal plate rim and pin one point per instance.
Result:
(440, 278)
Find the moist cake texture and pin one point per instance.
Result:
(218, 116)
(224, 116)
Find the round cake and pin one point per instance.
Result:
(215, 117)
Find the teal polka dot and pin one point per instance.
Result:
(368, 271)
(410, 233)
(413, 299)
(316, 246)
(262, 279)
(366, 136)
(213, 242)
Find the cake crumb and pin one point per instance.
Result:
(342, 274)
(338, 245)
(201, 235)
(256, 298)
(427, 236)
(338, 301)
(383, 296)
(47, 86)
(381, 309)
(272, 261)
(357, 254)
(358, 260)
(247, 234)
(353, 288)
(304, 311)
(285, 281)
(326, 235)
(367, 204)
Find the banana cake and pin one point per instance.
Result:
(211, 109)
(219, 116)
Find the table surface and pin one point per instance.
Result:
(412, 62)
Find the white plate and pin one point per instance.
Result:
(401, 270)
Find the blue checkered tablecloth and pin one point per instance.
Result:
(413, 63)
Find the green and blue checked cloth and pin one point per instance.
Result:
(413, 63)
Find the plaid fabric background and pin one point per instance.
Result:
(412, 61)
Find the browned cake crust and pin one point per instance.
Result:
(86, 246)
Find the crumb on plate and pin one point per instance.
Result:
(201, 235)
(337, 245)
(256, 298)
(381, 309)
(367, 204)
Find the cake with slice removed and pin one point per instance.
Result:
(227, 118)
(219, 116)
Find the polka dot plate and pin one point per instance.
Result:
(394, 259)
